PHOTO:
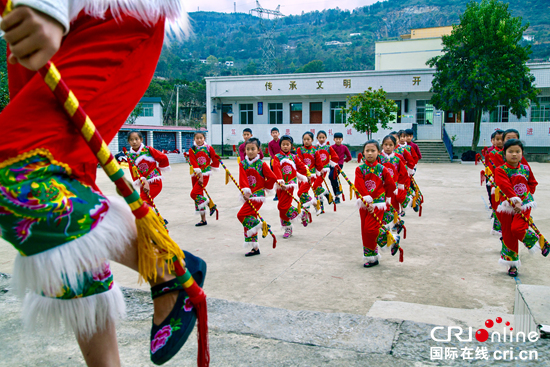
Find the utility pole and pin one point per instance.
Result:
(268, 26)
(178, 86)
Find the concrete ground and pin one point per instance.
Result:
(450, 274)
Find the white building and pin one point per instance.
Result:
(151, 112)
(296, 103)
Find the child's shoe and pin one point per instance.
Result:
(253, 252)
(288, 232)
(513, 271)
(337, 200)
(370, 265)
(201, 223)
(304, 219)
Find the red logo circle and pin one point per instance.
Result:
(482, 335)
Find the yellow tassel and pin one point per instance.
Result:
(265, 230)
(488, 171)
(351, 192)
(330, 198)
(299, 207)
(191, 170)
(318, 205)
(226, 177)
(497, 194)
(395, 217)
(389, 238)
(541, 241)
(211, 204)
(239, 160)
(155, 247)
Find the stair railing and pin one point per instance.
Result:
(448, 144)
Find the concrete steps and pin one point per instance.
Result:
(433, 151)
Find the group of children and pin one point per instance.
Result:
(511, 185)
(384, 183)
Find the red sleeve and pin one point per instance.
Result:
(504, 184)
(360, 182)
(193, 160)
(243, 179)
(333, 157)
(403, 176)
(347, 154)
(270, 178)
(409, 160)
(299, 153)
(532, 182)
(261, 154)
(318, 163)
(389, 184)
(161, 158)
(414, 156)
(277, 168)
(417, 150)
(241, 151)
(214, 157)
(359, 157)
(300, 166)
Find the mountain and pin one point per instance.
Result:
(323, 40)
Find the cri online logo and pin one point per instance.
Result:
(482, 335)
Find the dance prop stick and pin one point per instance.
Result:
(213, 207)
(417, 195)
(330, 196)
(153, 242)
(389, 236)
(543, 243)
(265, 227)
(397, 219)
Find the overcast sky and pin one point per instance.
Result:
(287, 6)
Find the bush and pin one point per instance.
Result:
(469, 156)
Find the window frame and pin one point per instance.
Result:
(335, 110)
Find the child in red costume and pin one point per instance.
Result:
(494, 159)
(516, 181)
(375, 184)
(325, 158)
(149, 163)
(307, 154)
(395, 165)
(203, 159)
(289, 169)
(106, 52)
(255, 179)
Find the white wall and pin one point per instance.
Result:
(540, 134)
(406, 54)
(155, 120)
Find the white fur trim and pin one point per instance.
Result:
(288, 161)
(271, 192)
(46, 271)
(253, 160)
(204, 205)
(301, 178)
(147, 11)
(84, 315)
(251, 245)
(197, 170)
(155, 179)
(360, 205)
(326, 169)
(505, 207)
(410, 171)
(388, 200)
(144, 158)
(533, 250)
(509, 264)
(401, 187)
(332, 164)
(492, 189)
(281, 182)
(254, 230)
(246, 190)
(165, 169)
(368, 199)
(215, 169)
(137, 184)
(137, 151)
(372, 259)
(311, 203)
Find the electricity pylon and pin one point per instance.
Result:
(268, 21)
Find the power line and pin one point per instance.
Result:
(268, 21)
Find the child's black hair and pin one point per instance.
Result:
(135, 132)
(247, 130)
(389, 137)
(322, 132)
(497, 132)
(197, 133)
(372, 141)
(510, 131)
(253, 141)
(272, 130)
(393, 133)
(310, 134)
(400, 133)
(511, 143)
(338, 136)
(409, 132)
(287, 138)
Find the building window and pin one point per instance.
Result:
(424, 113)
(337, 116)
(316, 113)
(500, 114)
(541, 113)
(146, 110)
(398, 113)
(295, 113)
(247, 113)
(275, 113)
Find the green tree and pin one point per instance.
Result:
(484, 65)
(368, 110)
(135, 114)
(315, 66)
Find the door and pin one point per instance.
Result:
(429, 121)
